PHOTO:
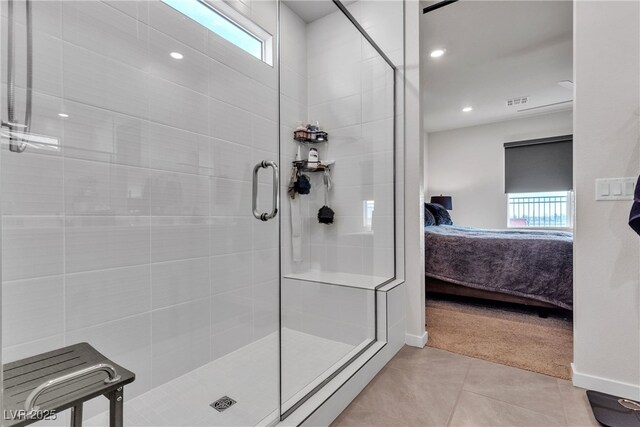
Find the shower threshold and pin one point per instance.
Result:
(249, 375)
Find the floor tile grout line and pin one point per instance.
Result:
(564, 409)
(455, 405)
(507, 367)
(517, 406)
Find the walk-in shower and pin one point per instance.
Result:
(150, 211)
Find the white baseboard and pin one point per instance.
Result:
(605, 385)
(416, 340)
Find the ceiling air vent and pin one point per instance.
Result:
(516, 102)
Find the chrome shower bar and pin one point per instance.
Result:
(17, 143)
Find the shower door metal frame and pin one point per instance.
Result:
(306, 397)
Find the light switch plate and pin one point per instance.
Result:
(615, 188)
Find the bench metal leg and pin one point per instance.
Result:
(76, 415)
(116, 402)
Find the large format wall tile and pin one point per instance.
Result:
(175, 282)
(93, 188)
(94, 243)
(31, 184)
(176, 238)
(32, 309)
(174, 105)
(97, 297)
(101, 28)
(180, 339)
(230, 272)
(232, 160)
(230, 198)
(230, 123)
(32, 247)
(231, 235)
(191, 71)
(97, 134)
(266, 308)
(179, 150)
(232, 309)
(177, 194)
(97, 80)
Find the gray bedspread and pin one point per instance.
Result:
(536, 264)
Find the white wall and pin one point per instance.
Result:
(414, 179)
(468, 164)
(606, 250)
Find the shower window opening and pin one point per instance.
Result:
(221, 19)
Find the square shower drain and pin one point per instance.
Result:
(225, 402)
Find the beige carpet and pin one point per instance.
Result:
(514, 338)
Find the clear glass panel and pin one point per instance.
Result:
(127, 223)
(332, 76)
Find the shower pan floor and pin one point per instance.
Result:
(248, 375)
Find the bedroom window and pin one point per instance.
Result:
(544, 210)
(231, 25)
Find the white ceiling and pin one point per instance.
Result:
(310, 10)
(495, 50)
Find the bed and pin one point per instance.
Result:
(525, 266)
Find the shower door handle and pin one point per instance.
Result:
(276, 191)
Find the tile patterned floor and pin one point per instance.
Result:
(431, 387)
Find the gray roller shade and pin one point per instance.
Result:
(539, 165)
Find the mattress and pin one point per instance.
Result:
(536, 264)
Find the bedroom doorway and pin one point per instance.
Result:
(498, 105)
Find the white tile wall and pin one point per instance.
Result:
(32, 185)
(32, 247)
(96, 297)
(350, 92)
(180, 339)
(136, 234)
(32, 309)
(100, 242)
(179, 281)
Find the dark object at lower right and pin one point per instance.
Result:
(612, 411)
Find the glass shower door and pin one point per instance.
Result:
(128, 219)
(338, 151)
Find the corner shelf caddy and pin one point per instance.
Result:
(312, 138)
(304, 166)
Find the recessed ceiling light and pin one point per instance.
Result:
(63, 115)
(467, 109)
(437, 53)
(176, 55)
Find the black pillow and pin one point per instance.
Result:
(440, 213)
(429, 219)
